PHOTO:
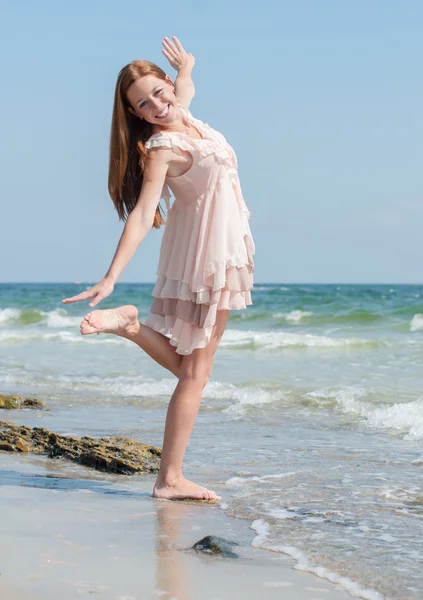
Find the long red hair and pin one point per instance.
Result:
(127, 142)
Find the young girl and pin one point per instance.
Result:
(206, 258)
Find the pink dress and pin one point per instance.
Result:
(206, 257)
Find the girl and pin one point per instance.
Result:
(206, 258)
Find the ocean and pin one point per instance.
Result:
(311, 426)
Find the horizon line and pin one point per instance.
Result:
(257, 283)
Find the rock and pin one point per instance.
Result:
(110, 454)
(34, 403)
(9, 402)
(212, 544)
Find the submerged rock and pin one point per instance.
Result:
(212, 544)
(9, 402)
(110, 454)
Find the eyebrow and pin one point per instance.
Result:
(154, 89)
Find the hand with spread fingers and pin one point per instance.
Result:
(96, 294)
(178, 58)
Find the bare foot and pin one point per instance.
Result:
(182, 489)
(121, 321)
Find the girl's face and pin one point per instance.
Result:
(153, 99)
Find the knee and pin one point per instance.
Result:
(198, 379)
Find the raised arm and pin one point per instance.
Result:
(183, 62)
(138, 224)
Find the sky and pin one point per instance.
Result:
(321, 99)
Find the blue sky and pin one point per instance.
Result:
(321, 100)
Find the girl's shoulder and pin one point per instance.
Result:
(168, 139)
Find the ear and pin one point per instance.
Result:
(169, 80)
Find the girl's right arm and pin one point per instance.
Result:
(138, 224)
(183, 62)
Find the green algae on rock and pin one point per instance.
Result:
(9, 402)
(110, 454)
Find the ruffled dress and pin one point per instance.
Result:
(206, 256)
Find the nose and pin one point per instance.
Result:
(156, 104)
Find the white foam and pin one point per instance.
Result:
(24, 336)
(53, 318)
(280, 339)
(242, 397)
(232, 338)
(416, 323)
(9, 314)
(295, 316)
(262, 528)
(237, 482)
(138, 385)
(405, 418)
(60, 318)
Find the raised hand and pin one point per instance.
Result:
(178, 58)
(97, 293)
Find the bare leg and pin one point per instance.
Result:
(182, 412)
(123, 321)
(193, 372)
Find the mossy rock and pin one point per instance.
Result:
(110, 454)
(9, 402)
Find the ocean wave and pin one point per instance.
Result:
(123, 386)
(332, 316)
(295, 316)
(8, 315)
(263, 531)
(408, 310)
(417, 323)
(13, 336)
(60, 318)
(232, 339)
(239, 482)
(405, 418)
(257, 340)
(53, 318)
(137, 385)
(352, 317)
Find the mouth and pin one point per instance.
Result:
(164, 113)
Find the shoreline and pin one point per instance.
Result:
(67, 532)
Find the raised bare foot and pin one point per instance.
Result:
(183, 489)
(121, 321)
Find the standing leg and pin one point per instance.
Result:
(123, 321)
(183, 407)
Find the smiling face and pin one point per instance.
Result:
(153, 99)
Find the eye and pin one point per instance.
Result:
(143, 104)
(159, 91)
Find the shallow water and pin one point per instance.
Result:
(311, 426)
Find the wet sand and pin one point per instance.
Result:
(67, 532)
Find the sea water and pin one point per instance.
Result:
(311, 426)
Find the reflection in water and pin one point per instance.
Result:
(172, 578)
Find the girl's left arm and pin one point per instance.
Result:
(183, 62)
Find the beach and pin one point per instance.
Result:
(310, 429)
(67, 537)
